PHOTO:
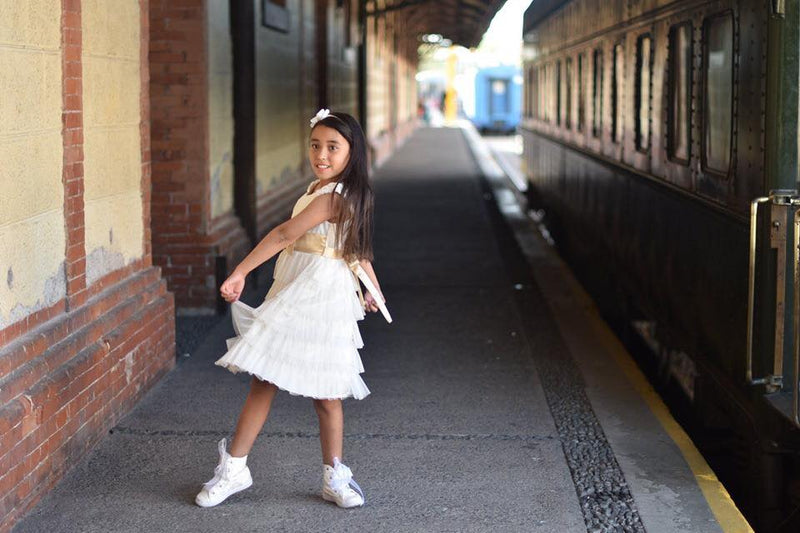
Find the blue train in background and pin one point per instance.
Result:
(498, 99)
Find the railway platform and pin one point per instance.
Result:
(500, 401)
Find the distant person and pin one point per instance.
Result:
(424, 112)
(304, 337)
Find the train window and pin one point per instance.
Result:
(568, 94)
(543, 92)
(617, 78)
(546, 92)
(347, 30)
(530, 88)
(581, 92)
(542, 87)
(528, 91)
(525, 88)
(597, 93)
(680, 89)
(718, 92)
(532, 93)
(643, 66)
(551, 92)
(558, 93)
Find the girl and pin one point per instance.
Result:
(304, 338)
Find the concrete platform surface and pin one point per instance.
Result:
(488, 413)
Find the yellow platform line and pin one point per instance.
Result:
(728, 516)
(722, 505)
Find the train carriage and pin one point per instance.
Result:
(649, 128)
(497, 99)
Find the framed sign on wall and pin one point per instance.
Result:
(275, 15)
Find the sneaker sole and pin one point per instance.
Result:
(238, 489)
(332, 499)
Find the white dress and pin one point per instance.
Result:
(304, 338)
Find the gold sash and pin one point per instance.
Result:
(314, 243)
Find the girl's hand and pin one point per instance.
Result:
(232, 287)
(370, 303)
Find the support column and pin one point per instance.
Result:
(192, 244)
(72, 119)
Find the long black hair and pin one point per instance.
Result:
(355, 237)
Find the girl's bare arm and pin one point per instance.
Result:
(319, 210)
(367, 266)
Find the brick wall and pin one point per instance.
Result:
(186, 241)
(70, 372)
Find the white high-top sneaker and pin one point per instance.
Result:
(226, 480)
(339, 487)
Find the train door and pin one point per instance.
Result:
(394, 104)
(243, 28)
(321, 23)
(498, 100)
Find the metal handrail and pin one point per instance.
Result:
(779, 197)
(796, 321)
(752, 288)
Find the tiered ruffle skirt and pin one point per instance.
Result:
(304, 337)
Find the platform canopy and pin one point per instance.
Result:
(540, 10)
(462, 21)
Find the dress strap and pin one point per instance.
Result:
(330, 237)
(337, 187)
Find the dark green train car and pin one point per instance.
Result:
(649, 128)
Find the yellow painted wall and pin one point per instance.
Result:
(32, 238)
(220, 107)
(112, 142)
(377, 78)
(408, 101)
(279, 138)
(391, 83)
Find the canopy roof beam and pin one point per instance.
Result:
(461, 21)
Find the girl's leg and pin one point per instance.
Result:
(253, 415)
(331, 428)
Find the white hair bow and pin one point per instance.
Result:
(321, 114)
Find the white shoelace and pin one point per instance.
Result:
(342, 478)
(219, 470)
